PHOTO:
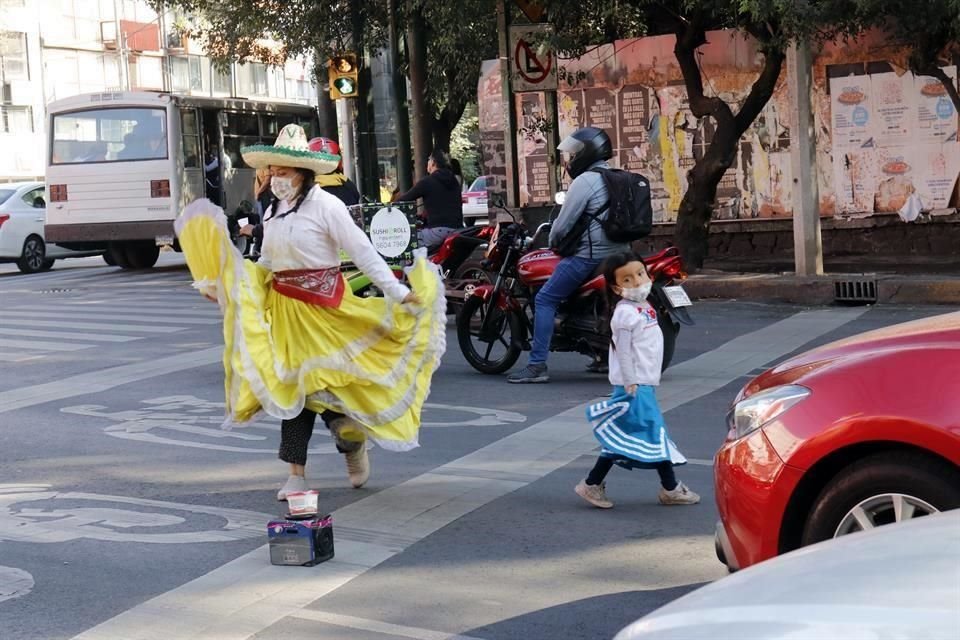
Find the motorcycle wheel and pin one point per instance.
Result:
(670, 331)
(488, 357)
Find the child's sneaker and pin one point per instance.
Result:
(595, 494)
(680, 495)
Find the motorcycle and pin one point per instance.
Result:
(455, 257)
(495, 323)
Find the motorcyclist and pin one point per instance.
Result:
(587, 148)
(442, 201)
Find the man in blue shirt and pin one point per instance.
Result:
(588, 148)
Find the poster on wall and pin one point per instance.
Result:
(600, 109)
(852, 109)
(855, 179)
(570, 110)
(936, 116)
(942, 170)
(895, 107)
(534, 161)
(897, 177)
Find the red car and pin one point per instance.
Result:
(849, 436)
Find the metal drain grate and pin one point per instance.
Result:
(55, 291)
(861, 290)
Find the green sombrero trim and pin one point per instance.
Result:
(293, 153)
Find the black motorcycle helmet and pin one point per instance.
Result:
(585, 146)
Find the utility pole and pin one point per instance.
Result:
(807, 241)
(122, 48)
(509, 111)
(417, 48)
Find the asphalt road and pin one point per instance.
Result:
(125, 512)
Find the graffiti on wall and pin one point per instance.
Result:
(890, 135)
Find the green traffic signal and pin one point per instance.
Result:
(345, 86)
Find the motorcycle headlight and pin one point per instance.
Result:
(759, 409)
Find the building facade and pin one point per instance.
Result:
(52, 49)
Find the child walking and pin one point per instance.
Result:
(629, 426)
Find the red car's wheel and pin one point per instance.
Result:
(882, 489)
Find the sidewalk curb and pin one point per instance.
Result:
(820, 290)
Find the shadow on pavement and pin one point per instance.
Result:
(596, 618)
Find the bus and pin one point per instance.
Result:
(122, 165)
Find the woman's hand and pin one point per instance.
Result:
(412, 298)
(247, 230)
(631, 390)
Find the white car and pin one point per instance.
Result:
(898, 581)
(475, 202)
(22, 215)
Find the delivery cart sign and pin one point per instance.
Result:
(533, 67)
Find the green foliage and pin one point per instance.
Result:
(465, 144)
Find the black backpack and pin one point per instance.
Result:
(629, 211)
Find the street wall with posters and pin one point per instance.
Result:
(880, 134)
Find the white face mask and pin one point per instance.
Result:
(283, 188)
(637, 294)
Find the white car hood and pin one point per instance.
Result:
(899, 582)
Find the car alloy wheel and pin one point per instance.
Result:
(887, 508)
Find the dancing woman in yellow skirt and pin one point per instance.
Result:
(298, 343)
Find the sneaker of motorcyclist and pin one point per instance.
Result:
(442, 201)
(587, 148)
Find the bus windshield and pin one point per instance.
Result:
(109, 135)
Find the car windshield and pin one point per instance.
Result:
(109, 135)
(480, 184)
(5, 195)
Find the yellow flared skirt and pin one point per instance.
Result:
(370, 359)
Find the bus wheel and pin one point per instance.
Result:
(116, 255)
(141, 255)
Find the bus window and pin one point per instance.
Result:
(269, 130)
(242, 124)
(307, 124)
(109, 135)
(191, 138)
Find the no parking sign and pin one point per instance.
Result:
(533, 66)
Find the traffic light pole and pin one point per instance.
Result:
(347, 140)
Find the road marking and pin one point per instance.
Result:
(41, 345)
(104, 324)
(247, 595)
(14, 583)
(375, 626)
(25, 517)
(69, 335)
(99, 381)
(129, 317)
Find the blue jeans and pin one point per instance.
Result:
(570, 274)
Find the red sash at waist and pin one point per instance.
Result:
(322, 287)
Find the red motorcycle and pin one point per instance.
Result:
(495, 323)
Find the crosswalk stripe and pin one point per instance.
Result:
(41, 345)
(67, 335)
(119, 312)
(13, 315)
(17, 356)
(89, 325)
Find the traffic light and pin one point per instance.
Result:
(343, 76)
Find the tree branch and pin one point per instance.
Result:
(690, 36)
(761, 91)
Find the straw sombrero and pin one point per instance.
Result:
(290, 150)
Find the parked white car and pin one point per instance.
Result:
(896, 581)
(475, 202)
(22, 215)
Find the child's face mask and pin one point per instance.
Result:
(637, 294)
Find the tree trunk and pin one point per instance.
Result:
(401, 116)
(417, 55)
(696, 208)
(369, 185)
